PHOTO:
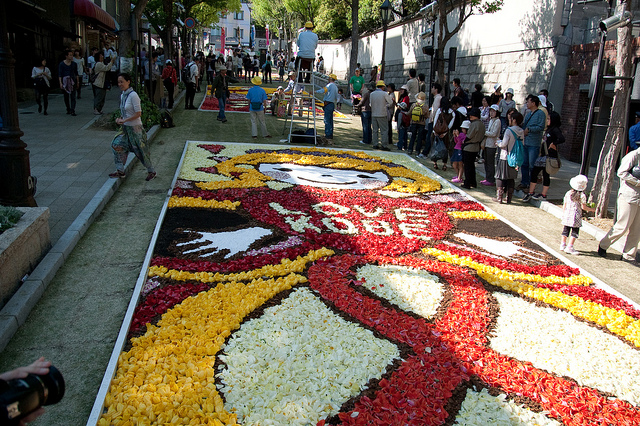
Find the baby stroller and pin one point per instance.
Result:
(355, 101)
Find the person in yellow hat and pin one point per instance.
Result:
(330, 98)
(257, 103)
(307, 44)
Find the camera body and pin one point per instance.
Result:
(20, 397)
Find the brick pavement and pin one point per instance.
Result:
(70, 159)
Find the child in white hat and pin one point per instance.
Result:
(574, 202)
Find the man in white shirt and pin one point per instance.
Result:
(307, 44)
(380, 101)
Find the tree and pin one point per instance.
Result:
(615, 138)
(125, 44)
(452, 14)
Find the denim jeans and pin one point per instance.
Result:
(365, 116)
(222, 100)
(403, 132)
(328, 109)
(530, 155)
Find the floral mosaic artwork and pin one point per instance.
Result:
(309, 286)
(238, 103)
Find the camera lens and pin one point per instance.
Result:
(19, 397)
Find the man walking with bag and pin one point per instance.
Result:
(380, 101)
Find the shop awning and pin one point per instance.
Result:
(91, 10)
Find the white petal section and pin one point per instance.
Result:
(410, 289)
(298, 363)
(555, 341)
(481, 409)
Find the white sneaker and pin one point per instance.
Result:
(562, 247)
(571, 250)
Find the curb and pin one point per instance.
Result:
(17, 309)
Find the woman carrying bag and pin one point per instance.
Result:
(132, 137)
(41, 76)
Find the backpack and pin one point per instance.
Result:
(166, 121)
(417, 114)
(515, 157)
(186, 73)
(442, 124)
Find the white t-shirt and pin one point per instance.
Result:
(131, 106)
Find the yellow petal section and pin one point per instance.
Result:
(168, 376)
(286, 266)
(616, 321)
(499, 273)
(199, 202)
(472, 214)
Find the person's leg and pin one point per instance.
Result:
(254, 126)
(389, 132)
(222, 101)
(376, 129)
(402, 136)
(565, 235)
(139, 146)
(420, 139)
(366, 124)
(72, 101)
(530, 155)
(626, 212)
(38, 96)
(119, 146)
(500, 190)
(469, 164)
(67, 103)
(427, 139)
(633, 237)
(45, 101)
(170, 89)
(384, 130)
(412, 141)
(490, 164)
(263, 124)
(511, 186)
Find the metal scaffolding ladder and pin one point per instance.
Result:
(303, 106)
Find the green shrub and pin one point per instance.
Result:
(150, 111)
(9, 216)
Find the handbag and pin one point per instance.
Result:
(552, 165)
(439, 150)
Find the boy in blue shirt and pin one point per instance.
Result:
(257, 102)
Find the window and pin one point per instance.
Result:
(239, 16)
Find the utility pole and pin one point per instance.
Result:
(17, 186)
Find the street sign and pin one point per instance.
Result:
(189, 23)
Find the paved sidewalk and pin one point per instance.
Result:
(70, 160)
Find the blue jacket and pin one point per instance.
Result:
(535, 122)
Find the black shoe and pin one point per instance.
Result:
(377, 146)
(68, 112)
(73, 114)
(385, 148)
(45, 113)
(218, 118)
(601, 252)
(527, 197)
(224, 120)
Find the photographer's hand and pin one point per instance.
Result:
(39, 367)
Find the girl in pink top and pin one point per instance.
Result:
(456, 158)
